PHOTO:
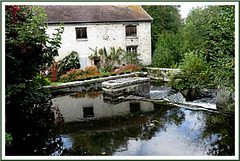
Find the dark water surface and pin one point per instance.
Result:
(89, 125)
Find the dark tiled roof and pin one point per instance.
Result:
(95, 13)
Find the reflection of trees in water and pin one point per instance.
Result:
(213, 133)
(222, 126)
(171, 114)
(105, 137)
(29, 122)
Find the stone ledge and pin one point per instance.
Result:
(70, 85)
(114, 84)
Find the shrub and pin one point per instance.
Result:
(162, 57)
(132, 58)
(29, 49)
(107, 61)
(195, 75)
(91, 69)
(67, 63)
(71, 75)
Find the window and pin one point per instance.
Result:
(132, 49)
(81, 33)
(131, 30)
(88, 112)
(135, 107)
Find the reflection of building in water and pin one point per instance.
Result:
(80, 109)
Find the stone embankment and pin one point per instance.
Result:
(86, 85)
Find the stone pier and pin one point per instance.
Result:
(138, 86)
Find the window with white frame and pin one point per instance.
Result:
(132, 49)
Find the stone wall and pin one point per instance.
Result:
(84, 86)
(161, 73)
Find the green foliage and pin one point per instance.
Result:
(41, 80)
(195, 74)
(8, 139)
(196, 28)
(29, 49)
(166, 42)
(132, 58)
(166, 19)
(67, 63)
(168, 50)
(162, 57)
(27, 44)
(221, 47)
(115, 55)
(87, 84)
(209, 34)
(107, 61)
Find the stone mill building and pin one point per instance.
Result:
(91, 26)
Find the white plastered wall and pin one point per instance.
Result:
(104, 35)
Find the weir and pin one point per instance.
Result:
(114, 89)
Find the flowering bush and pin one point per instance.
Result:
(28, 47)
(53, 70)
(71, 75)
(106, 65)
(91, 69)
(28, 50)
(130, 68)
(95, 75)
(79, 95)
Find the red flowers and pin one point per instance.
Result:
(53, 70)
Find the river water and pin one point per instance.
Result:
(163, 125)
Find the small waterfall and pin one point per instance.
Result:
(165, 94)
(176, 98)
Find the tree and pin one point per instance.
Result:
(210, 32)
(28, 50)
(195, 29)
(220, 46)
(165, 19)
